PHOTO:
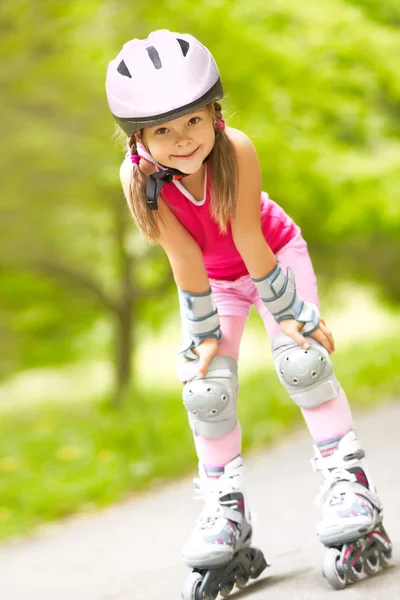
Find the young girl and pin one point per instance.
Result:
(194, 187)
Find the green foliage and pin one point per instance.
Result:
(386, 12)
(56, 460)
(67, 235)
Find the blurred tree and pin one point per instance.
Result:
(73, 257)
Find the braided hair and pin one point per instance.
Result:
(223, 172)
(146, 220)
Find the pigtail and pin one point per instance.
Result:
(224, 173)
(147, 220)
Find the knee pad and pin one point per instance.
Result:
(211, 401)
(306, 374)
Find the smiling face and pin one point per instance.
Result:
(182, 143)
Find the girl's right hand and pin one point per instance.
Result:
(206, 352)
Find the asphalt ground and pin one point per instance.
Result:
(131, 551)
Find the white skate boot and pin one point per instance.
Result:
(219, 548)
(351, 515)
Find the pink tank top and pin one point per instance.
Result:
(221, 259)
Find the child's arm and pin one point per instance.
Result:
(182, 250)
(246, 224)
(189, 272)
(187, 265)
(183, 253)
(278, 291)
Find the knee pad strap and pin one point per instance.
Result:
(211, 401)
(306, 374)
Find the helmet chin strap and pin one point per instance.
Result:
(156, 180)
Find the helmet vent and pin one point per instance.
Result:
(184, 46)
(123, 69)
(154, 56)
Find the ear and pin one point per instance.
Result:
(138, 136)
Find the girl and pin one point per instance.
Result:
(194, 187)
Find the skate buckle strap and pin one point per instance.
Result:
(331, 479)
(340, 481)
(214, 508)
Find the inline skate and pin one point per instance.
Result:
(351, 522)
(219, 550)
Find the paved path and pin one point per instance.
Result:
(132, 551)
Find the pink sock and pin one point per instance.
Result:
(217, 452)
(329, 420)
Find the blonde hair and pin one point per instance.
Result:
(223, 167)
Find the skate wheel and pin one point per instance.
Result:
(226, 590)
(331, 571)
(210, 596)
(356, 572)
(385, 559)
(372, 565)
(191, 587)
(241, 582)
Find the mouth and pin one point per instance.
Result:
(185, 156)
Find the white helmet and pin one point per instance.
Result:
(161, 78)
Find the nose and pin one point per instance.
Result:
(183, 140)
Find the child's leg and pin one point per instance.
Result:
(350, 505)
(223, 528)
(217, 452)
(330, 420)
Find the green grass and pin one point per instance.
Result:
(56, 460)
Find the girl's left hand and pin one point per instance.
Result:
(322, 334)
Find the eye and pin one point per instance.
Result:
(194, 120)
(161, 131)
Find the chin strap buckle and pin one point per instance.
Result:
(155, 183)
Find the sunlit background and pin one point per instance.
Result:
(90, 406)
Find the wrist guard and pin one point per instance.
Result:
(200, 321)
(278, 292)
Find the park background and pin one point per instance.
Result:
(90, 407)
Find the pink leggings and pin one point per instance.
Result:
(234, 300)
